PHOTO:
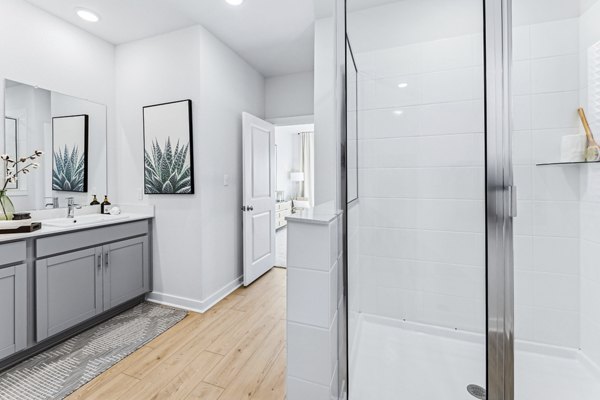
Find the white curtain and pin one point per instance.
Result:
(307, 163)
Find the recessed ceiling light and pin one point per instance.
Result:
(403, 85)
(398, 112)
(87, 15)
(234, 2)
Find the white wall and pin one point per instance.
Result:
(289, 95)
(324, 112)
(39, 49)
(288, 156)
(197, 238)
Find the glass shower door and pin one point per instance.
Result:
(417, 229)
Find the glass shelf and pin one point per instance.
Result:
(568, 163)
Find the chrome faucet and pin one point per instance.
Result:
(71, 206)
(51, 201)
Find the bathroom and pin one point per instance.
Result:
(443, 246)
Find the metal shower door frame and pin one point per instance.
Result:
(500, 200)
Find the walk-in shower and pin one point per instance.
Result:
(473, 218)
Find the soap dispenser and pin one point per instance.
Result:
(95, 201)
(105, 206)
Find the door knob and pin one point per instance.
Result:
(250, 208)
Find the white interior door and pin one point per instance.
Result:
(259, 197)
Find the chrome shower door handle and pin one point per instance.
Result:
(512, 201)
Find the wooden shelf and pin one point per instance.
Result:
(568, 163)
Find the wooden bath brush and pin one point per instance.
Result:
(593, 150)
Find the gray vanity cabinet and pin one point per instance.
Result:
(69, 290)
(58, 284)
(126, 272)
(74, 285)
(13, 309)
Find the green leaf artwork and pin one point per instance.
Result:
(69, 170)
(166, 170)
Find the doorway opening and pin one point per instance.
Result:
(294, 153)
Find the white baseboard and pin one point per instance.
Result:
(223, 292)
(199, 306)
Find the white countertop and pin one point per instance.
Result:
(322, 214)
(138, 215)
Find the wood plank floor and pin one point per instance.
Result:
(234, 351)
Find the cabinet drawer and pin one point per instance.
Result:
(89, 238)
(284, 213)
(12, 253)
(283, 206)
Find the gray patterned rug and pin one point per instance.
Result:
(58, 372)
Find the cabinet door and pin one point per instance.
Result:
(69, 290)
(13, 310)
(126, 271)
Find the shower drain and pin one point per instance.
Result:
(476, 391)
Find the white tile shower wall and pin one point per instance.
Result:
(590, 273)
(590, 188)
(546, 97)
(421, 182)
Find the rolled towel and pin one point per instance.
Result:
(115, 211)
(572, 148)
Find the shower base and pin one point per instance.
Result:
(394, 359)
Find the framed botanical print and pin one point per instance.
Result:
(70, 153)
(168, 148)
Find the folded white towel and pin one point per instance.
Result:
(572, 148)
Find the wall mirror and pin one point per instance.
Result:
(72, 134)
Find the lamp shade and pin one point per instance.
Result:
(297, 176)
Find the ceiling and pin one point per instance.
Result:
(275, 36)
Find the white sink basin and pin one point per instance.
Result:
(82, 220)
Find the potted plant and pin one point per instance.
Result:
(12, 169)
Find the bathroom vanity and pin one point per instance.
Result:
(61, 280)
